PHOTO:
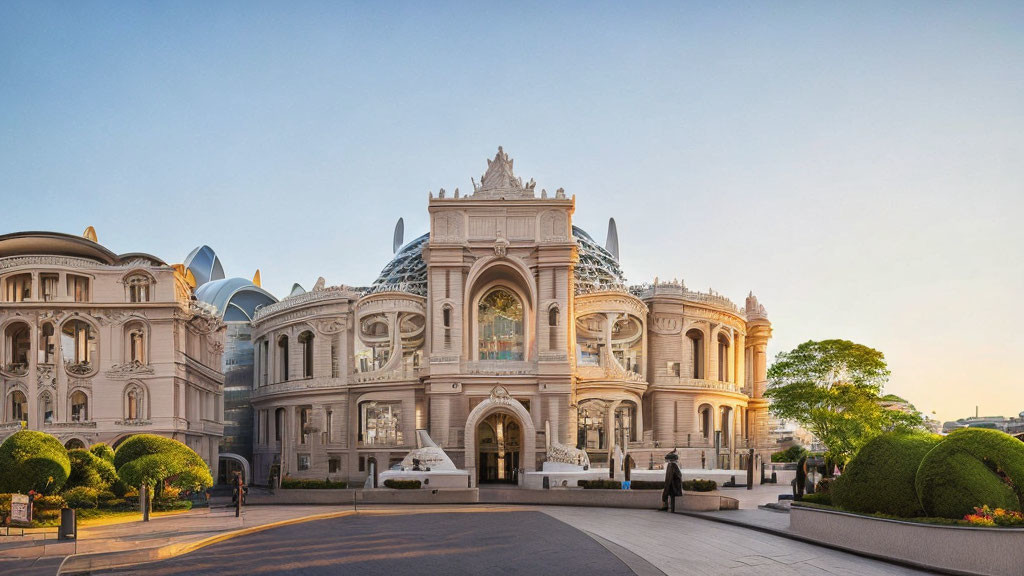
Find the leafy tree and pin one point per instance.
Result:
(149, 460)
(833, 389)
(32, 460)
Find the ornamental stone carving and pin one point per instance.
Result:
(500, 396)
(553, 226)
(329, 325)
(666, 325)
(447, 227)
(129, 369)
(45, 375)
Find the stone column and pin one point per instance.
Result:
(711, 353)
(760, 369)
(739, 353)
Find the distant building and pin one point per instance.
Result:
(98, 346)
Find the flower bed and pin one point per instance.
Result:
(930, 543)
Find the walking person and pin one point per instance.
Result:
(673, 482)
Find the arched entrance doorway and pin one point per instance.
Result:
(500, 402)
(231, 464)
(499, 442)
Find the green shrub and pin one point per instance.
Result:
(32, 460)
(150, 459)
(101, 450)
(170, 504)
(603, 484)
(791, 454)
(402, 484)
(81, 497)
(44, 515)
(89, 470)
(699, 485)
(880, 478)
(818, 498)
(971, 467)
(647, 485)
(290, 483)
(51, 502)
(5, 508)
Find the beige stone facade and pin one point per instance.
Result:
(97, 346)
(502, 318)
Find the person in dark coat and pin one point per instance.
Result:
(673, 482)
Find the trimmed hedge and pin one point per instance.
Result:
(818, 498)
(971, 467)
(81, 497)
(402, 484)
(31, 460)
(791, 454)
(699, 485)
(599, 484)
(90, 471)
(647, 485)
(151, 459)
(880, 478)
(290, 484)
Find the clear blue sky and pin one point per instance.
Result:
(859, 167)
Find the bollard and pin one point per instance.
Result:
(68, 525)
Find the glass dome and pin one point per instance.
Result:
(407, 272)
(596, 270)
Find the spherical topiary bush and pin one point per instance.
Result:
(32, 460)
(880, 478)
(150, 459)
(101, 450)
(971, 467)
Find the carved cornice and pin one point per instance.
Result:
(128, 370)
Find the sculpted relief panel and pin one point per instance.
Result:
(553, 226)
(448, 227)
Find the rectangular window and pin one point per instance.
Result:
(380, 423)
(78, 288)
(330, 425)
(334, 464)
(303, 463)
(48, 287)
(304, 415)
(362, 463)
(278, 423)
(19, 288)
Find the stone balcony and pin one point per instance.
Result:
(677, 382)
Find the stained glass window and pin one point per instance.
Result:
(500, 325)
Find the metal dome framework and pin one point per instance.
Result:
(596, 270)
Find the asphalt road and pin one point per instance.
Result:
(519, 542)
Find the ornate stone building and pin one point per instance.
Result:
(98, 346)
(503, 318)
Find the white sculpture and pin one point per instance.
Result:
(563, 453)
(428, 454)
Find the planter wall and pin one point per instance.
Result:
(952, 549)
(375, 496)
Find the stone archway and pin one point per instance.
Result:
(500, 401)
(243, 461)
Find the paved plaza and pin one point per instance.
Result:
(470, 540)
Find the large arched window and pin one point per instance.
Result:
(704, 415)
(500, 326)
(135, 338)
(135, 402)
(553, 328)
(282, 359)
(79, 406)
(47, 344)
(78, 346)
(590, 425)
(138, 286)
(18, 407)
(17, 344)
(696, 338)
(306, 340)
